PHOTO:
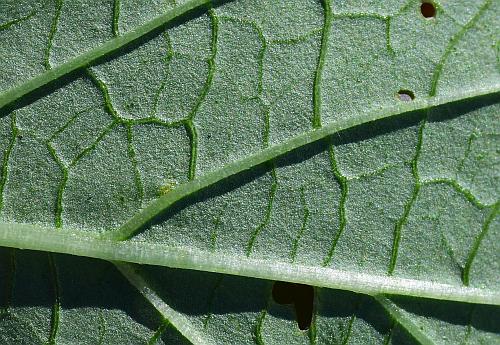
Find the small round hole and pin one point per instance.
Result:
(428, 9)
(406, 95)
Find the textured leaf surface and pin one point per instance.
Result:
(342, 144)
(56, 303)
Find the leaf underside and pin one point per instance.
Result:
(222, 145)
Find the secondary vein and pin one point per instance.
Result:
(176, 319)
(143, 217)
(86, 59)
(401, 317)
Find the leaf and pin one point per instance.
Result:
(343, 145)
(207, 308)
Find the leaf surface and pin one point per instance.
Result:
(345, 145)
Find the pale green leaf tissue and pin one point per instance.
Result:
(164, 162)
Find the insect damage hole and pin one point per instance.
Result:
(428, 9)
(301, 296)
(406, 95)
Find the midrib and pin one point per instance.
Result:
(34, 237)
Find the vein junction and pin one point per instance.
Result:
(109, 241)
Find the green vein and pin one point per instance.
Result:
(62, 166)
(190, 126)
(267, 126)
(262, 38)
(267, 215)
(297, 39)
(349, 330)
(159, 205)
(67, 124)
(409, 204)
(321, 63)
(79, 243)
(344, 190)
(469, 328)
(257, 331)
(473, 136)
(116, 17)
(54, 324)
(154, 340)
(155, 121)
(374, 173)
(401, 317)
(388, 337)
(108, 105)
(133, 161)
(60, 191)
(477, 244)
(260, 61)
(92, 146)
(432, 93)
(258, 328)
(312, 332)
(358, 15)
(86, 59)
(176, 319)
(388, 37)
(210, 75)
(213, 234)
(453, 42)
(168, 58)
(210, 301)
(31, 14)
(214, 22)
(265, 143)
(6, 157)
(448, 249)
(459, 189)
(193, 143)
(53, 30)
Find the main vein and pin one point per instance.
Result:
(35, 237)
(86, 59)
(143, 217)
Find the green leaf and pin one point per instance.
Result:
(345, 145)
(54, 302)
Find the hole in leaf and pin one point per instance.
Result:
(283, 293)
(428, 9)
(406, 95)
(301, 296)
(304, 299)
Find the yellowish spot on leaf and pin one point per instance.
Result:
(167, 187)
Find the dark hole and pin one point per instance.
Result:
(406, 95)
(304, 299)
(428, 10)
(301, 296)
(283, 293)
